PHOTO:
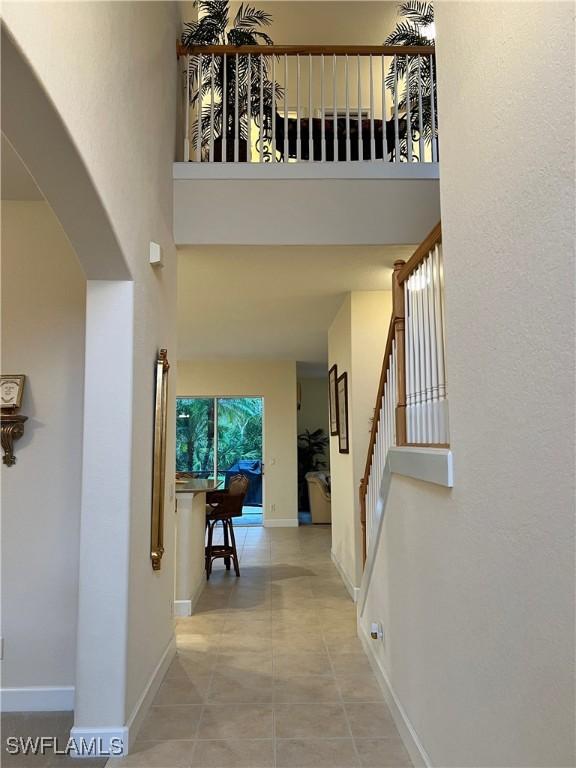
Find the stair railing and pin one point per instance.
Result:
(274, 103)
(411, 405)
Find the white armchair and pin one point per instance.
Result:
(319, 495)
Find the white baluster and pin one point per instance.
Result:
(396, 126)
(211, 146)
(438, 316)
(409, 363)
(187, 111)
(273, 109)
(390, 403)
(409, 148)
(385, 155)
(335, 108)
(433, 113)
(421, 143)
(424, 353)
(286, 145)
(417, 368)
(429, 351)
(236, 112)
(249, 110)
(347, 84)
(395, 393)
(322, 112)
(224, 108)
(310, 127)
(443, 343)
(389, 417)
(199, 107)
(372, 137)
(261, 137)
(360, 136)
(436, 436)
(298, 138)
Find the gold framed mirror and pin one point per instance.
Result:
(159, 460)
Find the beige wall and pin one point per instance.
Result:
(356, 342)
(117, 99)
(322, 23)
(313, 413)
(276, 382)
(43, 307)
(475, 586)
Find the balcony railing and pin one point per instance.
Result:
(290, 104)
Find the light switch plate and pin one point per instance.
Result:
(155, 255)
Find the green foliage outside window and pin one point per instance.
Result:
(239, 433)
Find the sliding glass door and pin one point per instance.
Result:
(218, 437)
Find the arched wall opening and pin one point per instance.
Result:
(68, 325)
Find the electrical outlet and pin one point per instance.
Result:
(376, 632)
(272, 507)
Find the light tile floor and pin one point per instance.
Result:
(269, 674)
(269, 671)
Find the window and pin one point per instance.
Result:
(215, 434)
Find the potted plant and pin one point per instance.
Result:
(311, 447)
(215, 28)
(416, 27)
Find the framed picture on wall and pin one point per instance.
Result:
(342, 399)
(333, 399)
(11, 391)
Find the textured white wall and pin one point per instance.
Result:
(475, 586)
(43, 309)
(117, 98)
(305, 212)
(356, 342)
(275, 381)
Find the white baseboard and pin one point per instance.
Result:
(182, 608)
(353, 591)
(37, 699)
(186, 607)
(103, 737)
(143, 704)
(418, 755)
(100, 742)
(281, 522)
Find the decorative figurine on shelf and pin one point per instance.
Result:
(11, 392)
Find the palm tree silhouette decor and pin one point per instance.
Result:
(214, 28)
(415, 28)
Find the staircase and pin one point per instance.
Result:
(411, 407)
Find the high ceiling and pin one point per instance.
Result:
(17, 183)
(271, 302)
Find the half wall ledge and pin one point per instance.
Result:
(433, 465)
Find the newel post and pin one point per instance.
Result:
(398, 314)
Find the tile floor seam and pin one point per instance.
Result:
(343, 705)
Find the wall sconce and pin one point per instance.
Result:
(11, 391)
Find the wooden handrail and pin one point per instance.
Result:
(379, 396)
(306, 50)
(432, 239)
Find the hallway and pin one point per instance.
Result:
(269, 670)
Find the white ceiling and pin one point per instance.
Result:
(271, 302)
(17, 183)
